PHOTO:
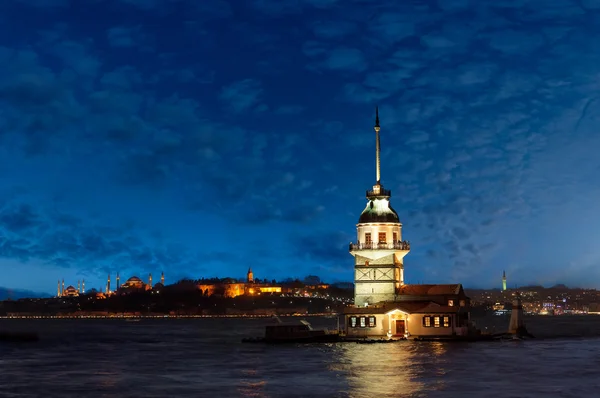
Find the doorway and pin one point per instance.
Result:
(400, 327)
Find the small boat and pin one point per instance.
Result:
(294, 332)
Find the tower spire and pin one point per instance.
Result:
(377, 147)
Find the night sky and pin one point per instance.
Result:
(200, 138)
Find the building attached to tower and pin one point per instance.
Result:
(384, 305)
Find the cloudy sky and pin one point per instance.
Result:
(200, 138)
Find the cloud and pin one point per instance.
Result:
(289, 110)
(328, 248)
(125, 37)
(243, 95)
(337, 59)
(144, 4)
(45, 3)
(66, 241)
(278, 8)
(332, 29)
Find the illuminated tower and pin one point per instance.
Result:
(108, 284)
(250, 276)
(162, 278)
(78, 287)
(58, 289)
(62, 290)
(503, 280)
(379, 250)
(150, 279)
(118, 281)
(83, 286)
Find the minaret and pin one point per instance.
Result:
(503, 280)
(83, 286)
(250, 276)
(118, 281)
(108, 285)
(150, 279)
(78, 286)
(379, 250)
(377, 147)
(162, 278)
(58, 289)
(62, 291)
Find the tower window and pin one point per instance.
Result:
(371, 321)
(368, 240)
(382, 237)
(395, 236)
(352, 321)
(450, 303)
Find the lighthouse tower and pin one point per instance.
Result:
(379, 250)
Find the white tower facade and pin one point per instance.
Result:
(379, 251)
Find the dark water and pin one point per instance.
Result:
(204, 358)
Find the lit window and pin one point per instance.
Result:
(382, 237)
(371, 321)
(462, 303)
(436, 321)
(450, 303)
(446, 321)
(352, 321)
(427, 321)
(368, 240)
(363, 322)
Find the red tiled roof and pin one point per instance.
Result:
(430, 290)
(411, 307)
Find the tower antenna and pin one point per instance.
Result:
(377, 146)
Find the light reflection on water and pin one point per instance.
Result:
(204, 358)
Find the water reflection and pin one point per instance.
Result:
(383, 370)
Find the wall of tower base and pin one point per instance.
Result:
(387, 260)
(371, 293)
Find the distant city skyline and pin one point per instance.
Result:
(200, 138)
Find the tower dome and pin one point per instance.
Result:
(378, 211)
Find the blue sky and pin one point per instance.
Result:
(200, 138)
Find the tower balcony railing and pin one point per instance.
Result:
(399, 245)
(379, 192)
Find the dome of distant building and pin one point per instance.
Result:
(158, 286)
(134, 283)
(378, 211)
(70, 291)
